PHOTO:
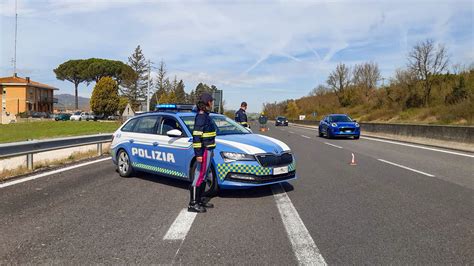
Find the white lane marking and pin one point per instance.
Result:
(291, 132)
(327, 143)
(405, 144)
(18, 181)
(305, 136)
(181, 225)
(419, 147)
(407, 168)
(306, 251)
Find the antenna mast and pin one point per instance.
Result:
(16, 30)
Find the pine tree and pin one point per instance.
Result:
(160, 82)
(135, 90)
(105, 99)
(180, 93)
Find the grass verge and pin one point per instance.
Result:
(53, 129)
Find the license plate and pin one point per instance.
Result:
(280, 170)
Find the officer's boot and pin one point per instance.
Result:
(204, 201)
(194, 205)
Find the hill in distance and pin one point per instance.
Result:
(66, 101)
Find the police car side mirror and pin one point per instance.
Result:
(249, 130)
(174, 133)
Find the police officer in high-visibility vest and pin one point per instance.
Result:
(241, 116)
(204, 134)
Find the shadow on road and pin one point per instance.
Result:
(168, 181)
(257, 192)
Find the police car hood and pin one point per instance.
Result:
(250, 144)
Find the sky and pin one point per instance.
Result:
(256, 51)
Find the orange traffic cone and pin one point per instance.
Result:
(353, 162)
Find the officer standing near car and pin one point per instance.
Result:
(241, 115)
(204, 134)
(263, 122)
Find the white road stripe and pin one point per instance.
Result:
(181, 225)
(419, 147)
(291, 132)
(305, 136)
(327, 143)
(306, 251)
(18, 181)
(407, 168)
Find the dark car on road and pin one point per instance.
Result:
(339, 125)
(62, 117)
(281, 121)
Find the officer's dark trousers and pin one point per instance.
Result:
(202, 169)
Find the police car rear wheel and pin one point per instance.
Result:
(124, 166)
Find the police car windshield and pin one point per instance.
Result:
(224, 125)
(339, 118)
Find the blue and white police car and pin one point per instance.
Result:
(160, 143)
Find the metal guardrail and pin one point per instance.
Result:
(31, 147)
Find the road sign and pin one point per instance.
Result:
(218, 96)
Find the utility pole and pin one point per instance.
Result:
(148, 88)
(16, 31)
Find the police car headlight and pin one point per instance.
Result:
(357, 125)
(333, 124)
(234, 156)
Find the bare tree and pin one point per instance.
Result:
(339, 80)
(319, 90)
(366, 76)
(427, 60)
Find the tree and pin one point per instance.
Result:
(202, 88)
(319, 90)
(293, 111)
(160, 82)
(105, 99)
(427, 60)
(98, 68)
(366, 76)
(180, 93)
(339, 80)
(135, 89)
(72, 71)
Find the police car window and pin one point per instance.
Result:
(224, 125)
(168, 124)
(129, 126)
(146, 125)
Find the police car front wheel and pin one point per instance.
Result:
(124, 166)
(212, 188)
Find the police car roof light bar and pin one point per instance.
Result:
(174, 107)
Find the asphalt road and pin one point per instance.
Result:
(398, 205)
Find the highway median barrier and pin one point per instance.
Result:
(452, 137)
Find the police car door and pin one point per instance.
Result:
(143, 143)
(177, 150)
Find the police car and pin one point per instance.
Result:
(161, 143)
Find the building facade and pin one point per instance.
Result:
(22, 95)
